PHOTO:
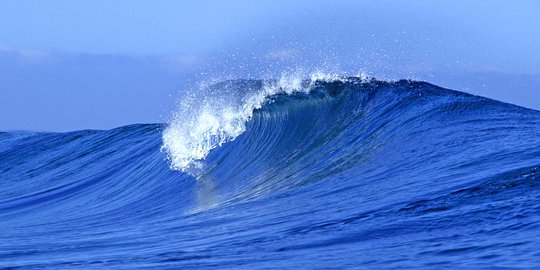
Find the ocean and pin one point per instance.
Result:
(326, 172)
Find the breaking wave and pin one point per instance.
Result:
(318, 172)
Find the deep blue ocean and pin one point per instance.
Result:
(321, 173)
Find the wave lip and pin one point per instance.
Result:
(211, 118)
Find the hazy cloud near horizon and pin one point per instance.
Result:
(71, 92)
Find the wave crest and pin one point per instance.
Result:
(218, 113)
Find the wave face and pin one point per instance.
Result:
(321, 173)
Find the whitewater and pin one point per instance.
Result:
(311, 172)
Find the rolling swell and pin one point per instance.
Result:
(332, 172)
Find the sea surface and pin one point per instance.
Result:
(319, 173)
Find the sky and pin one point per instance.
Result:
(70, 65)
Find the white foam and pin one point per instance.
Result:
(206, 121)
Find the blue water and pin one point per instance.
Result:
(347, 173)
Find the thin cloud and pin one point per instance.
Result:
(25, 54)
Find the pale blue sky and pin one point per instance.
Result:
(69, 65)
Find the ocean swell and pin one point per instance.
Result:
(301, 172)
